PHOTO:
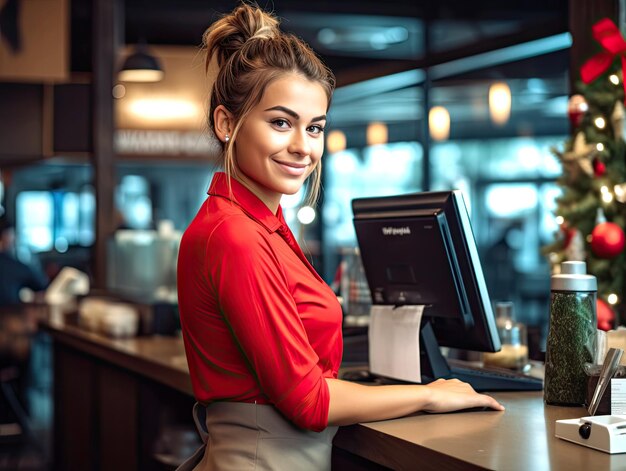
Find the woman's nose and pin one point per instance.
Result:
(300, 144)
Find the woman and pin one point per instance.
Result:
(262, 330)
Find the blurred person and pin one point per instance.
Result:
(17, 325)
(262, 330)
(15, 275)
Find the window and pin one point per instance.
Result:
(378, 170)
(47, 220)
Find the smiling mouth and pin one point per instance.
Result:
(292, 168)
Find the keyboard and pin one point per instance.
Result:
(482, 379)
(494, 379)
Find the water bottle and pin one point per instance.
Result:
(571, 334)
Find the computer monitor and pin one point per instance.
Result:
(419, 249)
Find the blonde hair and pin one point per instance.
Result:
(251, 52)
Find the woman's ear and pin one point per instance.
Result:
(223, 122)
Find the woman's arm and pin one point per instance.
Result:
(352, 403)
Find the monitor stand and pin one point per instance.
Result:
(434, 365)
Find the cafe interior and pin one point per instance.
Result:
(101, 171)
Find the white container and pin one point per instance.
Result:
(108, 317)
(120, 320)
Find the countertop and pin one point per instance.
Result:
(521, 438)
(161, 358)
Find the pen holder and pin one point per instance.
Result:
(604, 408)
(593, 376)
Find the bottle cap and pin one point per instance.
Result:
(573, 277)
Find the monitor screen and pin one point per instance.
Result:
(419, 249)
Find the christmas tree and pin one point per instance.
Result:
(592, 209)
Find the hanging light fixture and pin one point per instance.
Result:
(499, 103)
(141, 66)
(335, 141)
(439, 123)
(376, 133)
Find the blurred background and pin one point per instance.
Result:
(430, 97)
(103, 173)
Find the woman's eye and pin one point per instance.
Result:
(316, 129)
(281, 123)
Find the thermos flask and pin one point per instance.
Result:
(571, 334)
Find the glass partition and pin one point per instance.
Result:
(503, 111)
(379, 170)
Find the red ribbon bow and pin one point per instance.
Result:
(610, 38)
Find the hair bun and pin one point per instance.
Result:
(227, 35)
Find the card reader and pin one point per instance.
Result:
(602, 432)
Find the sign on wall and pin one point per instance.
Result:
(164, 142)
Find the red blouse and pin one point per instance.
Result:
(259, 324)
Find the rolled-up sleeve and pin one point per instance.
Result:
(259, 309)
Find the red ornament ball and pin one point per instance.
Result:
(599, 168)
(576, 108)
(606, 315)
(568, 234)
(607, 240)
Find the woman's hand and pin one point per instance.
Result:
(448, 395)
(352, 403)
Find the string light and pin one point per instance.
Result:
(599, 122)
(620, 192)
(607, 196)
(560, 220)
(612, 298)
(614, 79)
(600, 147)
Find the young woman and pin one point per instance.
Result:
(262, 330)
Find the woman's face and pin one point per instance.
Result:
(282, 140)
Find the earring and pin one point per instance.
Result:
(226, 138)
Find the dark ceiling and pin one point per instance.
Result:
(364, 39)
(358, 39)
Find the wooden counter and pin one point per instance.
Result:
(122, 388)
(521, 438)
(116, 400)
(159, 358)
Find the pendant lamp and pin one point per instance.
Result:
(141, 66)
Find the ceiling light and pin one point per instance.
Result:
(499, 103)
(164, 109)
(376, 134)
(141, 66)
(439, 123)
(335, 141)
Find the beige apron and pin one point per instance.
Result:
(240, 436)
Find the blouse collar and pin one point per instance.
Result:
(247, 201)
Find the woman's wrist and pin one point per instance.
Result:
(425, 397)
